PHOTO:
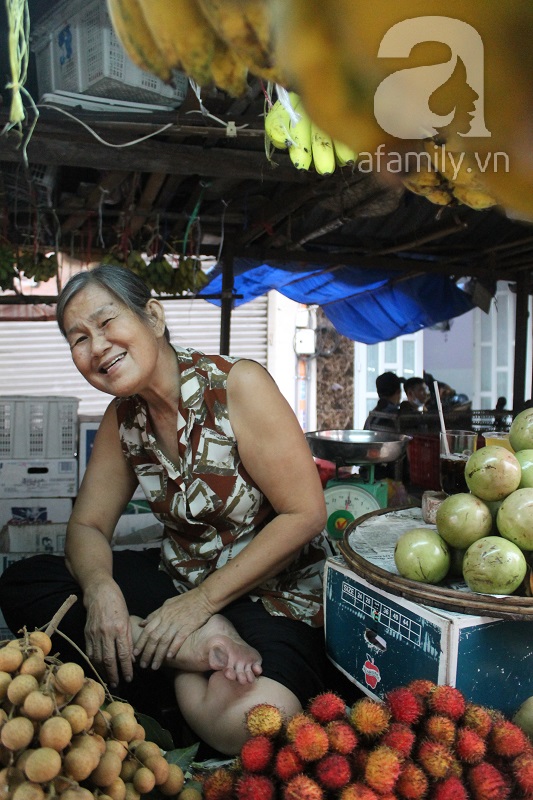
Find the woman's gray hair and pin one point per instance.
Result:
(125, 285)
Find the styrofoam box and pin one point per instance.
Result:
(381, 641)
(46, 478)
(88, 425)
(77, 50)
(34, 509)
(46, 538)
(33, 426)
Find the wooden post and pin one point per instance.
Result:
(520, 347)
(227, 300)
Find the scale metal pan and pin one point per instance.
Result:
(357, 447)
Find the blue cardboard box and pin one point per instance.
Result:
(381, 641)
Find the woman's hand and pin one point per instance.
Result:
(108, 632)
(165, 630)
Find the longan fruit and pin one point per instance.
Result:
(123, 726)
(90, 696)
(43, 765)
(42, 640)
(102, 723)
(131, 792)
(88, 743)
(10, 778)
(33, 665)
(118, 706)
(69, 678)
(190, 793)
(38, 706)
(23, 757)
(5, 680)
(144, 780)
(27, 790)
(76, 716)
(174, 782)
(78, 763)
(146, 749)
(116, 790)
(159, 766)
(17, 733)
(20, 687)
(128, 769)
(119, 748)
(10, 658)
(3, 717)
(140, 733)
(77, 793)
(56, 733)
(107, 770)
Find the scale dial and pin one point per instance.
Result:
(344, 504)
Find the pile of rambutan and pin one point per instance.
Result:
(422, 742)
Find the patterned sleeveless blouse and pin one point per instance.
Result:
(207, 502)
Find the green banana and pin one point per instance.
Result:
(300, 151)
(277, 126)
(323, 152)
(344, 155)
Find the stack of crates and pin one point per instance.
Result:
(38, 475)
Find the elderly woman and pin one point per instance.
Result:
(231, 608)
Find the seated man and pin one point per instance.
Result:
(418, 395)
(389, 389)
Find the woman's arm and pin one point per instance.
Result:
(274, 451)
(107, 486)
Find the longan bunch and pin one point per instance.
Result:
(62, 733)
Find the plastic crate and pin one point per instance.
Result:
(77, 50)
(34, 427)
(423, 453)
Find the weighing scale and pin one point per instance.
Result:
(351, 497)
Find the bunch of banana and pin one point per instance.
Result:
(277, 123)
(426, 181)
(463, 175)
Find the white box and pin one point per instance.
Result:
(45, 478)
(77, 50)
(381, 641)
(31, 539)
(35, 509)
(33, 426)
(88, 427)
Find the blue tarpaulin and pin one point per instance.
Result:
(365, 305)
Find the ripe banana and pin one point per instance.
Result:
(229, 72)
(183, 36)
(277, 123)
(474, 197)
(134, 35)
(323, 152)
(244, 27)
(300, 151)
(344, 155)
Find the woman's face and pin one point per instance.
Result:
(114, 349)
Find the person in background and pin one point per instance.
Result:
(389, 389)
(418, 395)
(501, 404)
(229, 610)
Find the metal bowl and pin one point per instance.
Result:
(357, 447)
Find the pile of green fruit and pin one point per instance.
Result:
(484, 536)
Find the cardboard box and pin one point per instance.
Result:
(31, 539)
(88, 427)
(36, 510)
(381, 641)
(33, 478)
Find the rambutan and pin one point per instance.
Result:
(358, 791)
(219, 785)
(311, 742)
(295, 723)
(440, 728)
(436, 758)
(341, 736)
(333, 771)
(451, 788)
(487, 783)
(287, 763)
(522, 770)
(370, 717)
(302, 787)
(405, 705)
(469, 746)
(254, 787)
(382, 769)
(359, 759)
(421, 686)
(265, 719)
(478, 718)
(256, 753)
(412, 782)
(507, 739)
(326, 707)
(399, 737)
(447, 700)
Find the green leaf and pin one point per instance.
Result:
(155, 733)
(183, 757)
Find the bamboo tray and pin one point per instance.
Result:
(359, 536)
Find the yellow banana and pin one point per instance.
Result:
(300, 151)
(474, 197)
(134, 35)
(323, 152)
(439, 196)
(182, 35)
(277, 123)
(229, 72)
(423, 180)
(243, 26)
(344, 155)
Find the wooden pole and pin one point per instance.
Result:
(227, 300)
(520, 347)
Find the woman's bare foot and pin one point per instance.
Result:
(215, 646)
